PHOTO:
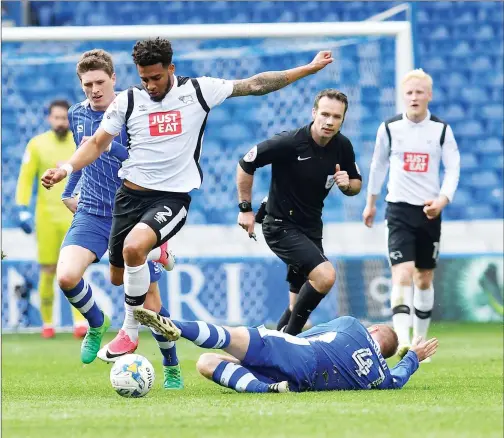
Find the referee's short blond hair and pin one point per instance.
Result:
(418, 74)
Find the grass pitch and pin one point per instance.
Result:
(48, 393)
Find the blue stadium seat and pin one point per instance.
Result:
(490, 145)
(495, 112)
(468, 161)
(485, 178)
(474, 94)
(471, 128)
(436, 64)
(462, 197)
(454, 112)
(491, 161)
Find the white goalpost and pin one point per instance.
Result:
(400, 30)
(370, 59)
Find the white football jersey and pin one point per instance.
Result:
(165, 138)
(414, 152)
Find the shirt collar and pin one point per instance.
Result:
(421, 123)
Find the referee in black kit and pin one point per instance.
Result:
(413, 144)
(306, 163)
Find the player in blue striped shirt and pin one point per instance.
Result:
(339, 355)
(87, 238)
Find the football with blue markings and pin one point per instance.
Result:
(132, 376)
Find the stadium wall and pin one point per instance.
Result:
(222, 275)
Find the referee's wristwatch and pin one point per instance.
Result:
(245, 206)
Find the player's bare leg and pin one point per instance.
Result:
(401, 301)
(126, 340)
(423, 302)
(233, 340)
(72, 264)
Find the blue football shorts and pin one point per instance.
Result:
(92, 232)
(274, 356)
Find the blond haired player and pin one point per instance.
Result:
(52, 218)
(413, 144)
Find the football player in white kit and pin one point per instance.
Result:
(165, 119)
(413, 144)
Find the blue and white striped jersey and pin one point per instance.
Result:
(99, 181)
(348, 358)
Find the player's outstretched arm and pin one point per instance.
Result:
(264, 83)
(84, 155)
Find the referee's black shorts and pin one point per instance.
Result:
(411, 236)
(299, 252)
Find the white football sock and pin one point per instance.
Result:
(136, 284)
(423, 302)
(401, 298)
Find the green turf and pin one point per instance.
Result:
(48, 393)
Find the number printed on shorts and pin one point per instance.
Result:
(435, 253)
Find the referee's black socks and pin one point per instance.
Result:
(284, 319)
(307, 301)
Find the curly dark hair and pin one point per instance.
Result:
(151, 52)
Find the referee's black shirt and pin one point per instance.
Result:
(302, 174)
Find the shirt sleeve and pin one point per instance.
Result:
(27, 173)
(451, 162)
(214, 90)
(72, 125)
(115, 116)
(349, 165)
(379, 162)
(402, 372)
(119, 151)
(70, 187)
(276, 148)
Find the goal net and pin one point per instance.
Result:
(40, 66)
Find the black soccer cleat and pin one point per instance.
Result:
(281, 387)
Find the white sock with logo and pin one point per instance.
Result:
(136, 285)
(401, 302)
(423, 301)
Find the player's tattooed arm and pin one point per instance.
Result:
(264, 83)
(260, 84)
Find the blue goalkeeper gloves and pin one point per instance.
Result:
(25, 219)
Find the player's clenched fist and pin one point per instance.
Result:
(53, 176)
(322, 59)
(341, 179)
